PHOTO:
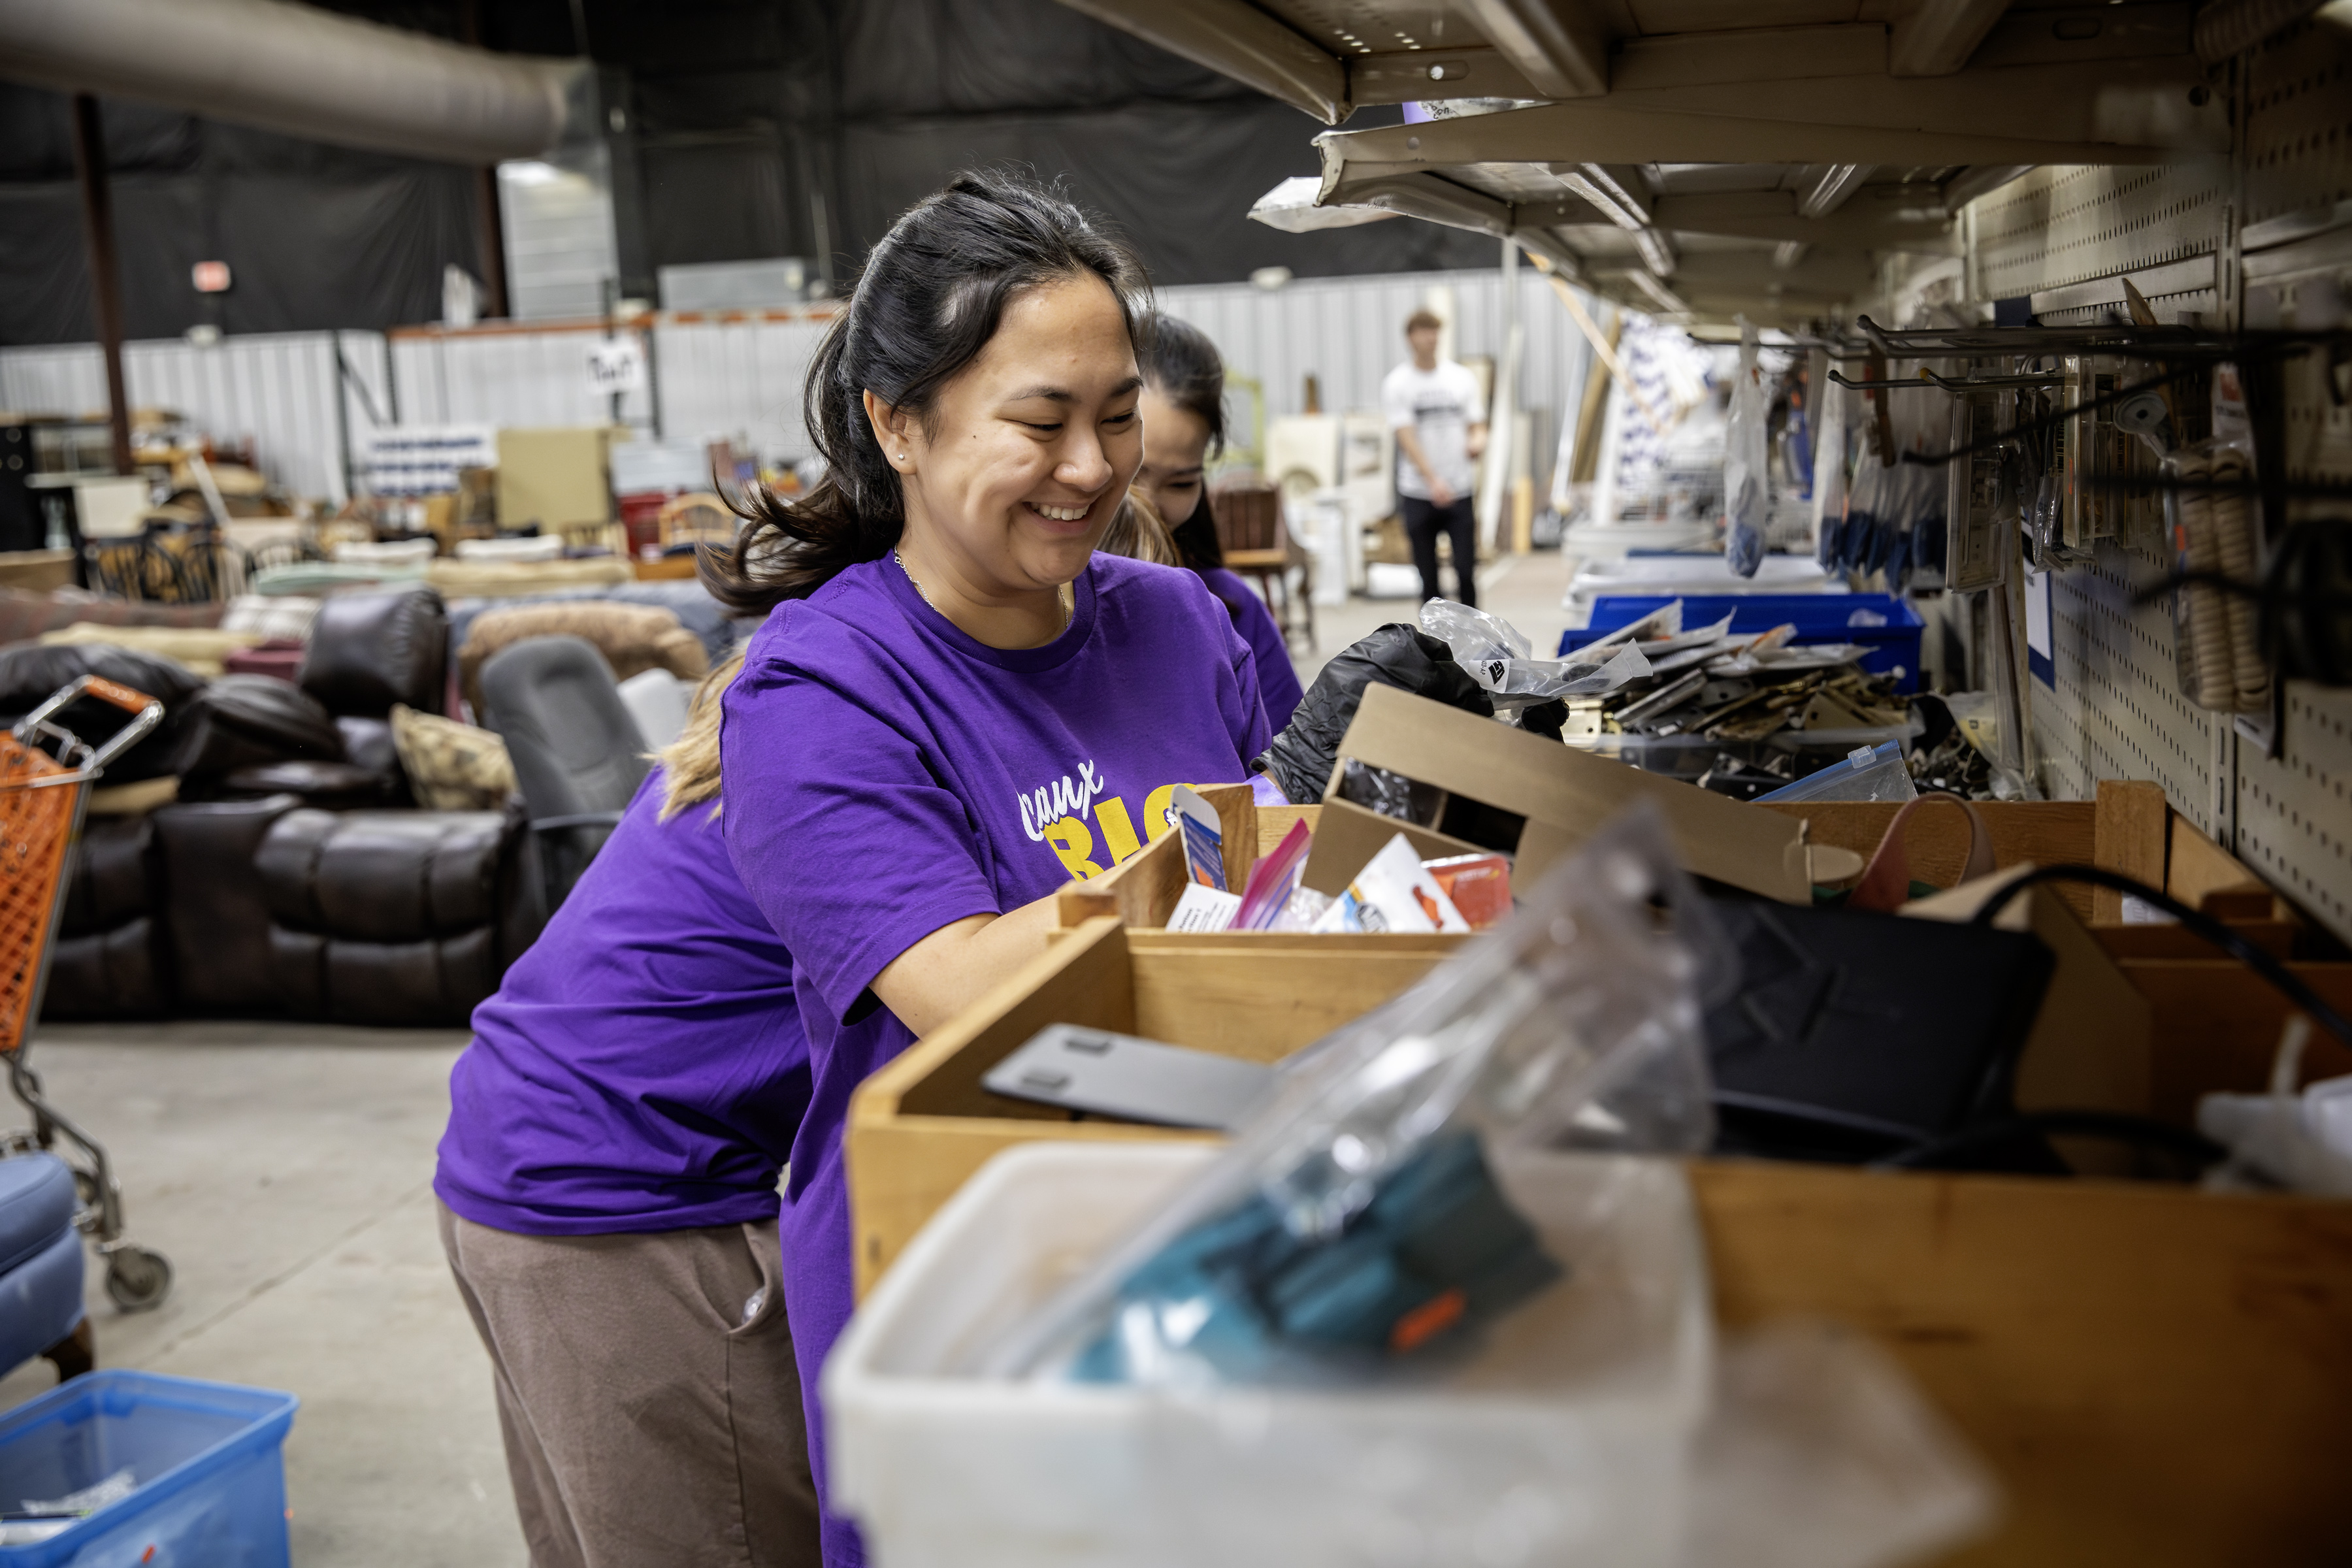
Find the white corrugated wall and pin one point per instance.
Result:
(743, 377)
(277, 390)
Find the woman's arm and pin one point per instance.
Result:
(946, 972)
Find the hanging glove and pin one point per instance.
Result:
(1396, 655)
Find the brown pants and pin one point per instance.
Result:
(648, 1394)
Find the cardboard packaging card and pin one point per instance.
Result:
(1564, 795)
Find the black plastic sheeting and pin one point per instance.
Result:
(759, 128)
(314, 235)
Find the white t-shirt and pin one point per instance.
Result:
(1440, 404)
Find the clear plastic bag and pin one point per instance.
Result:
(1867, 774)
(1820, 1453)
(1498, 656)
(1354, 1231)
(1746, 459)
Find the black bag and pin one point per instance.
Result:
(1396, 655)
(30, 675)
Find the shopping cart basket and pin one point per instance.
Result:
(45, 773)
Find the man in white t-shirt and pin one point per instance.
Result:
(1440, 419)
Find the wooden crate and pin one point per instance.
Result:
(2129, 828)
(2159, 1375)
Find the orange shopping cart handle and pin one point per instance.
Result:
(121, 696)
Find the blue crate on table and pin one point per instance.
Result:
(206, 1459)
(1818, 618)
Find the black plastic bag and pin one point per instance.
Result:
(1396, 655)
(31, 674)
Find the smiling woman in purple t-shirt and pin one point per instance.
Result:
(956, 705)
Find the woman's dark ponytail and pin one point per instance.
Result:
(929, 298)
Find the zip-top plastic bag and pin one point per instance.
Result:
(1497, 657)
(1355, 1231)
(1747, 461)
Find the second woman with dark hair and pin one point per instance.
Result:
(957, 704)
(1183, 428)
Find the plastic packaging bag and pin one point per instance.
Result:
(1867, 774)
(1497, 653)
(1499, 660)
(1747, 457)
(1820, 1453)
(1355, 1226)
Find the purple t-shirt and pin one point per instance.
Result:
(642, 1067)
(887, 774)
(1277, 683)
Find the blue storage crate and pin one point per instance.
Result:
(1819, 618)
(207, 1459)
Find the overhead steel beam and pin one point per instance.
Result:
(1239, 40)
(1557, 44)
(1897, 222)
(1610, 130)
(1985, 178)
(1423, 194)
(1416, 76)
(2133, 100)
(1617, 193)
(1830, 189)
(1938, 38)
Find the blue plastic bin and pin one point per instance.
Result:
(208, 1460)
(1819, 618)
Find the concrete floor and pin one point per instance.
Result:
(285, 1169)
(1525, 590)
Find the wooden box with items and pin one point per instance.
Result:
(1916, 1123)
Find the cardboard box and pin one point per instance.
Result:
(1142, 889)
(554, 477)
(1564, 795)
(2158, 1375)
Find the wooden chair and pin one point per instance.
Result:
(1257, 543)
(700, 518)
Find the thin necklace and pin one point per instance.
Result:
(1066, 596)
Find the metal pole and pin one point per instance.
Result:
(489, 222)
(106, 278)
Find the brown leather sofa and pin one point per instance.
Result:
(254, 901)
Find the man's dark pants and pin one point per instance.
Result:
(1423, 521)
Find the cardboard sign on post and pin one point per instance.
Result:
(1564, 795)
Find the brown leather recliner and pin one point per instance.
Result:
(110, 959)
(267, 906)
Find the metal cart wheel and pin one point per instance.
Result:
(137, 1278)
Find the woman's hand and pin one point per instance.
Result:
(954, 966)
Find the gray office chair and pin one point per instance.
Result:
(577, 755)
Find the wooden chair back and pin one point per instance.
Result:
(1249, 518)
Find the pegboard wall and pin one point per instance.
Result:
(2115, 707)
(2115, 710)
(2059, 229)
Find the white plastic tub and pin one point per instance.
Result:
(1563, 1440)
